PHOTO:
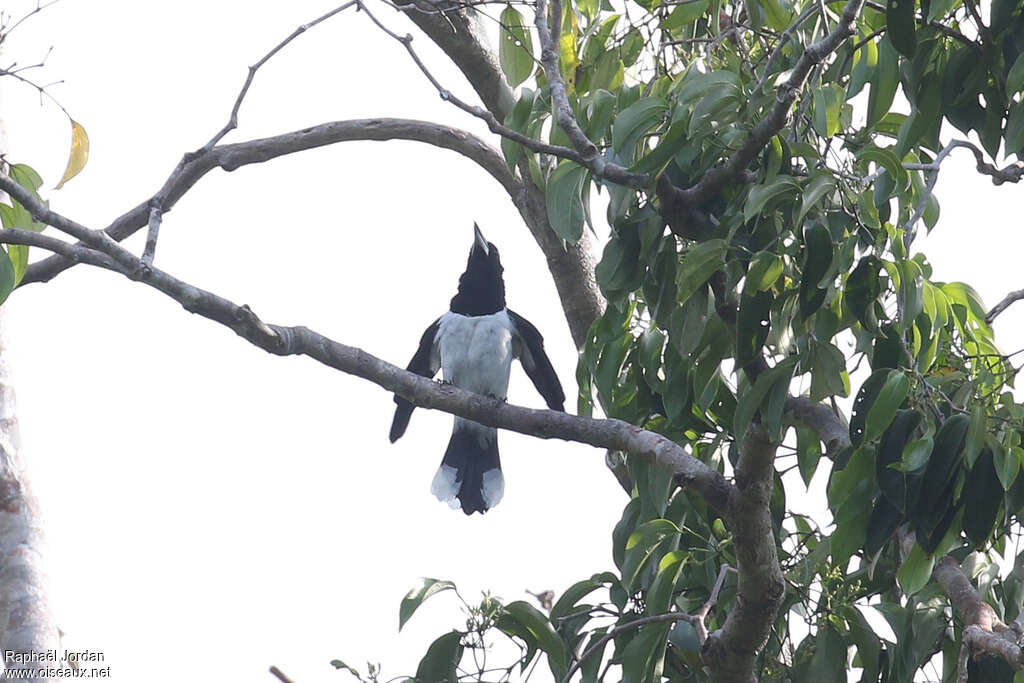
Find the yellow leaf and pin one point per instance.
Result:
(79, 153)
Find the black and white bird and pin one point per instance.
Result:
(474, 344)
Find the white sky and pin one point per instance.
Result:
(213, 507)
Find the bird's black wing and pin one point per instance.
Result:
(426, 362)
(528, 347)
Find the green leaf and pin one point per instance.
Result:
(884, 81)
(778, 18)
(939, 8)
(564, 200)
(828, 105)
(754, 399)
(829, 662)
(340, 665)
(828, 371)
(640, 545)
(632, 46)
(1015, 79)
(975, 434)
(760, 195)
(808, 453)
(643, 657)
(416, 597)
(518, 119)
(26, 176)
(915, 571)
(765, 269)
(633, 122)
(572, 595)
(753, 324)
(1015, 129)
(695, 85)
(684, 15)
(700, 261)
(442, 659)
(8, 276)
(515, 47)
(891, 395)
(915, 455)
(888, 160)
(864, 62)
(900, 25)
(547, 639)
(659, 597)
(820, 185)
(608, 72)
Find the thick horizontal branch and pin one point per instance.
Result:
(233, 156)
(547, 424)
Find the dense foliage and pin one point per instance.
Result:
(796, 277)
(775, 173)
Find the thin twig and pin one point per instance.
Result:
(596, 164)
(279, 675)
(233, 118)
(1009, 174)
(157, 204)
(702, 613)
(786, 36)
(233, 156)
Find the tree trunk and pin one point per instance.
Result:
(27, 631)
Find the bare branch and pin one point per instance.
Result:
(1011, 174)
(279, 675)
(1007, 301)
(233, 118)
(234, 156)
(705, 610)
(596, 165)
(547, 424)
(158, 203)
(452, 28)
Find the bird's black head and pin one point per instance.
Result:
(481, 287)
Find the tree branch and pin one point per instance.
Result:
(1007, 301)
(463, 40)
(233, 156)
(821, 420)
(680, 200)
(731, 652)
(983, 634)
(588, 155)
(453, 29)
(284, 341)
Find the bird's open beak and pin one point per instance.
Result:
(481, 241)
